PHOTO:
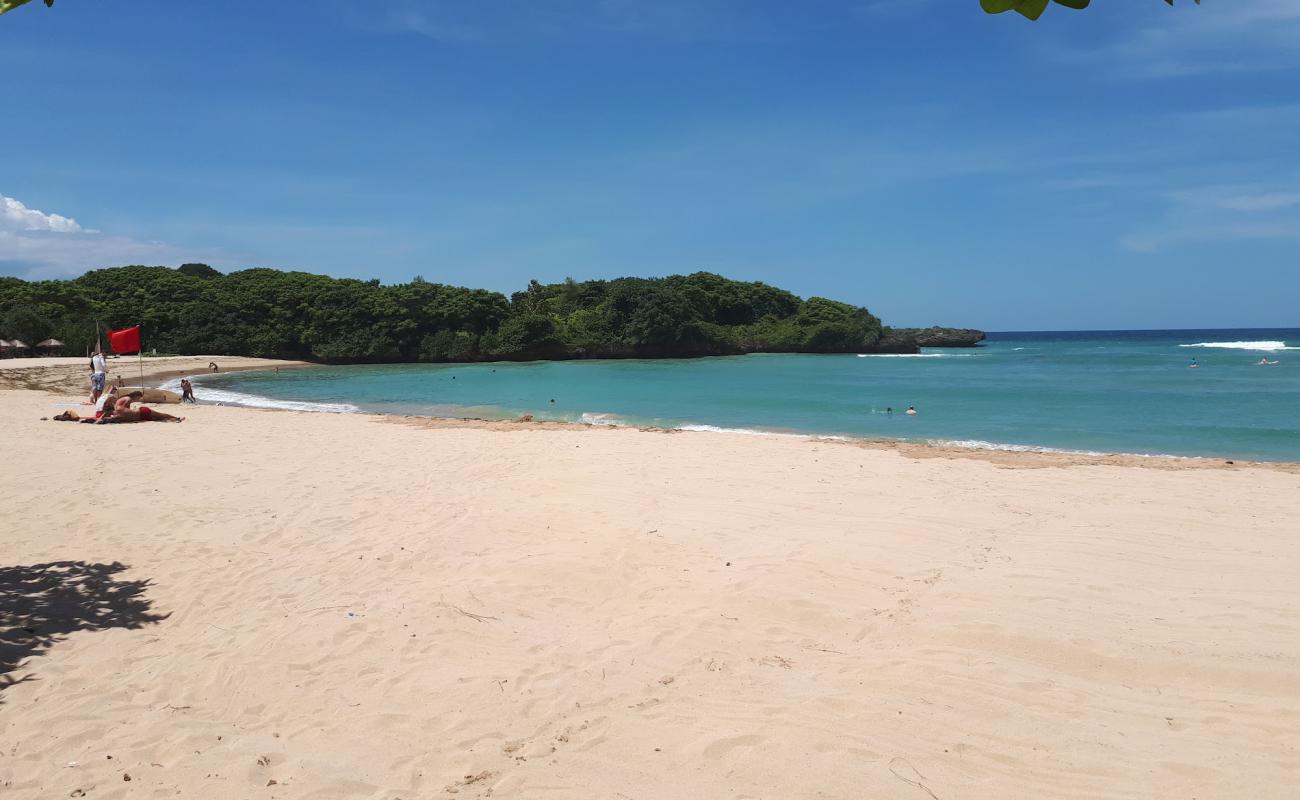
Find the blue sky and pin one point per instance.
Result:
(1131, 165)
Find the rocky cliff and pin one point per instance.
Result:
(939, 337)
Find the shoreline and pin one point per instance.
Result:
(72, 375)
(1016, 459)
(61, 378)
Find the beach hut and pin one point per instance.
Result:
(4, 347)
(17, 345)
(50, 345)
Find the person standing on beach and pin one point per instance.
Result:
(98, 374)
(187, 391)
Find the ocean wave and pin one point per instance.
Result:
(752, 432)
(1269, 346)
(595, 418)
(915, 355)
(212, 396)
(980, 444)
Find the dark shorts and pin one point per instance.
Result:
(97, 381)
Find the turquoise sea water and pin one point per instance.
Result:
(1127, 392)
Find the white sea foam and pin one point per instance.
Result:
(753, 432)
(596, 418)
(212, 396)
(1268, 346)
(915, 355)
(980, 444)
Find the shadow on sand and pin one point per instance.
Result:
(40, 604)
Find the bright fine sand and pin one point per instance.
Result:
(260, 604)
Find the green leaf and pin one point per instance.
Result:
(1078, 5)
(10, 5)
(1031, 8)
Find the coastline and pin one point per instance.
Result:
(71, 374)
(1015, 459)
(67, 375)
(353, 605)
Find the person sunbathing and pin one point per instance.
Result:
(141, 414)
(124, 403)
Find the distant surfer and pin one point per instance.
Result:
(889, 409)
(911, 411)
(1264, 362)
(1193, 365)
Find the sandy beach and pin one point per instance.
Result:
(291, 605)
(72, 374)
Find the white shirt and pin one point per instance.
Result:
(98, 361)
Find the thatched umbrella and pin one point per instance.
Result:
(49, 344)
(17, 345)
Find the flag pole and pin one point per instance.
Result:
(140, 355)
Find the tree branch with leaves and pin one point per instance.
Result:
(1035, 8)
(10, 5)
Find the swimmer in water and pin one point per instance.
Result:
(911, 411)
(889, 409)
(1264, 362)
(1193, 365)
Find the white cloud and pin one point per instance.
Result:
(1269, 201)
(1221, 213)
(37, 245)
(511, 21)
(1222, 37)
(1164, 239)
(14, 216)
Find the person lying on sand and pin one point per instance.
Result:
(142, 414)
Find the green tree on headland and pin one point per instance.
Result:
(265, 312)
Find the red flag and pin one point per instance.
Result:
(125, 341)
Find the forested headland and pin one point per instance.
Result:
(297, 315)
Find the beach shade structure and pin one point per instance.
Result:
(17, 345)
(49, 344)
(4, 347)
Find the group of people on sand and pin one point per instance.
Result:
(112, 405)
(110, 408)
